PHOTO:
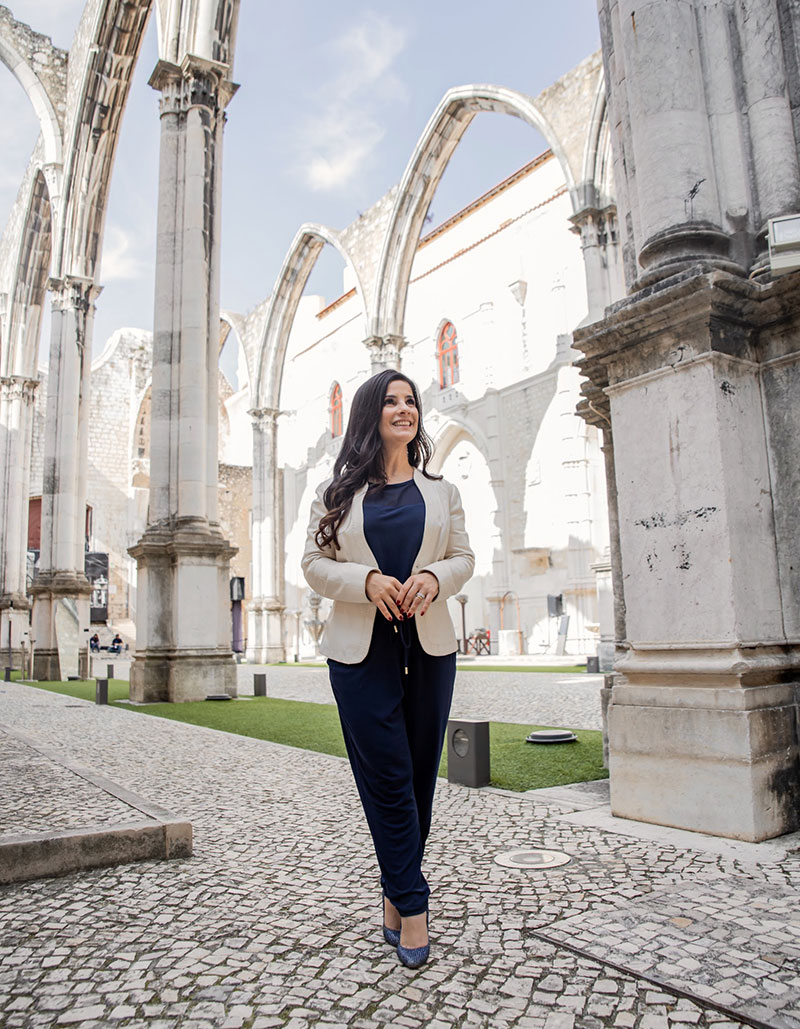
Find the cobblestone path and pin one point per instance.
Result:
(274, 922)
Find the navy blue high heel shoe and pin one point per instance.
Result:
(413, 957)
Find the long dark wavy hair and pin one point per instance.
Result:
(361, 458)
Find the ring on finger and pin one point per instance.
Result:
(420, 596)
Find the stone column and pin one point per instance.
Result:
(16, 423)
(385, 351)
(61, 578)
(599, 236)
(265, 634)
(702, 724)
(183, 563)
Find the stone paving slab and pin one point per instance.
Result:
(736, 943)
(57, 817)
(274, 921)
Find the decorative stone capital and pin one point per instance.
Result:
(195, 82)
(73, 292)
(264, 418)
(17, 387)
(61, 584)
(596, 226)
(385, 351)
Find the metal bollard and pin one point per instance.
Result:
(110, 671)
(8, 674)
(259, 684)
(468, 752)
(101, 691)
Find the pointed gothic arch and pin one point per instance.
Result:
(423, 173)
(13, 38)
(297, 267)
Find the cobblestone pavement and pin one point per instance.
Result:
(274, 922)
(535, 698)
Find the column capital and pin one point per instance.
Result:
(385, 350)
(17, 387)
(264, 417)
(73, 291)
(194, 82)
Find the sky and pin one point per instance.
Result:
(333, 99)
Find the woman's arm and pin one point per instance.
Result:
(457, 565)
(336, 580)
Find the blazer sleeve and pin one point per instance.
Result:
(332, 578)
(457, 565)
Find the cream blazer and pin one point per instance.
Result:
(341, 575)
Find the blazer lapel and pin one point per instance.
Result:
(430, 494)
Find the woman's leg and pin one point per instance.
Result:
(426, 707)
(370, 701)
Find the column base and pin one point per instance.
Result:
(180, 677)
(265, 631)
(707, 751)
(46, 665)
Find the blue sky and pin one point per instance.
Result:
(332, 101)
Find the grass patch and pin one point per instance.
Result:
(515, 764)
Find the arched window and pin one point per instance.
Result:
(336, 410)
(447, 355)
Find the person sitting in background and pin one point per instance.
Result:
(116, 644)
(94, 643)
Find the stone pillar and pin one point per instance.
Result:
(61, 577)
(265, 635)
(16, 423)
(599, 236)
(385, 351)
(702, 724)
(183, 563)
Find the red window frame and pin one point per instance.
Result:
(447, 355)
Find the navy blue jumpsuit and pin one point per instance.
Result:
(394, 706)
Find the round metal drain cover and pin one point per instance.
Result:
(532, 859)
(551, 736)
(218, 696)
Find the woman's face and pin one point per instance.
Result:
(399, 417)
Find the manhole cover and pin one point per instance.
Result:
(218, 696)
(532, 859)
(551, 736)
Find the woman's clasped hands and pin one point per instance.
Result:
(402, 599)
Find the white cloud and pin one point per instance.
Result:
(337, 142)
(121, 262)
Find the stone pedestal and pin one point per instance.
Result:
(182, 614)
(56, 655)
(703, 719)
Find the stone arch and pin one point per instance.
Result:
(452, 430)
(232, 323)
(297, 267)
(15, 38)
(109, 62)
(597, 183)
(423, 173)
(30, 282)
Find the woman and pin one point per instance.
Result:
(387, 544)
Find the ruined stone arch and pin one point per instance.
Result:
(15, 39)
(451, 431)
(228, 323)
(109, 60)
(597, 179)
(29, 285)
(297, 267)
(423, 173)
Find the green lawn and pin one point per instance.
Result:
(515, 764)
